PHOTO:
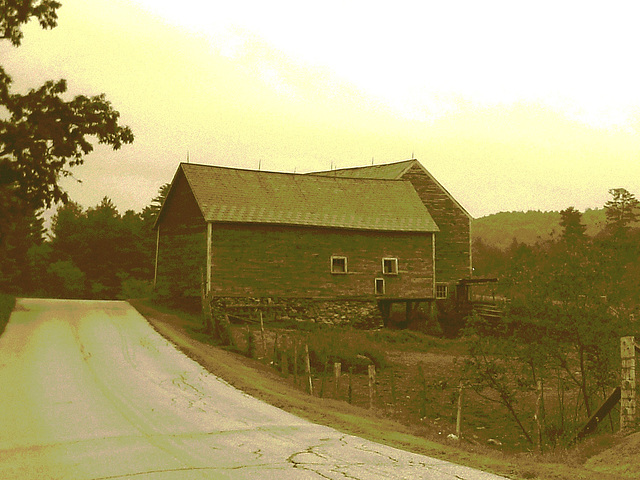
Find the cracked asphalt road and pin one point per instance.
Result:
(88, 390)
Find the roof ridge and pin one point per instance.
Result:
(297, 175)
(363, 167)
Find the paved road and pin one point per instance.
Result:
(88, 390)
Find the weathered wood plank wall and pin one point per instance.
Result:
(453, 249)
(182, 245)
(289, 261)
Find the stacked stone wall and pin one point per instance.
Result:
(357, 313)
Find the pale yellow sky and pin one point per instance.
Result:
(511, 105)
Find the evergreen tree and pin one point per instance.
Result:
(621, 210)
(573, 230)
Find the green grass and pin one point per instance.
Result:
(7, 302)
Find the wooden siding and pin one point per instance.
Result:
(453, 248)
(287, 261)
(182, 245)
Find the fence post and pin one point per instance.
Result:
(459, 415)
(284, 362)
(264, 341)
(372, 383)
(628, 387)
(295, 363)
(337, 372)
(539, 413)
(307, 366)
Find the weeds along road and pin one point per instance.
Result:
(88, 390)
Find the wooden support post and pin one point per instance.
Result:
(628, 387)
(307, 367)
(385, 311)
(372, 384)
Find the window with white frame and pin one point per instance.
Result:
(379, 286)
(390, 266)
(442, 291)
(338, 264)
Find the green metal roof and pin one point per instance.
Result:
(249, 196)
(388, 171)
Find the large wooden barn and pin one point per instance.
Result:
(385, 233)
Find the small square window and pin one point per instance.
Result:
(442, 291)
(389, 266)
(338, 264)
(379, 286)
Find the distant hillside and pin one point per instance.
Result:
(530, 227)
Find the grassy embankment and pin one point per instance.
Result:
(264, 382)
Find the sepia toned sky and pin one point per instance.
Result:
(510, 105)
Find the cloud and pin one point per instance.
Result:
(503, 112)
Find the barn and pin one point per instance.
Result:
(365, 234)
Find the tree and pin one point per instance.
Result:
(42, 135)
(150, 212)
(19, 253)
(573, 229)
(111, 250)
(621, 210)
(13, 13)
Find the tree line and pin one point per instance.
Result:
(89, 253)
(612, 252)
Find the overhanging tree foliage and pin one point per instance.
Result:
(42, 134)
(15, 13)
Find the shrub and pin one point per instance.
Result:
(135, 288)
(349, 347)
(7, 302)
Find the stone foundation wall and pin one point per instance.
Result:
(358, 313)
